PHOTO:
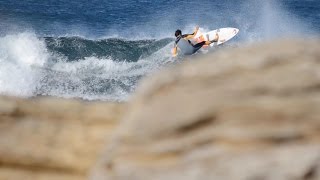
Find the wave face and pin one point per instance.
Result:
(99, 50)
(74, 67)
(75, 48)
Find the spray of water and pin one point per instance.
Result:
(267, 20)
(18, 53)
(29, 68)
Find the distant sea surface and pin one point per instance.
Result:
(99, 50)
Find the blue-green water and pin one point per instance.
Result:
(99, 50)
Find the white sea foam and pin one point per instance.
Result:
(120, 77)
(27, 69)
(18, 53)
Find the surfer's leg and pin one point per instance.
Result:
(216, 38)
(208, 42)
(198, 46)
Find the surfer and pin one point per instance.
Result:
(186, 46)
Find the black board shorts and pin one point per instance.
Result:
(198, 46)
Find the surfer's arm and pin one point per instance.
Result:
(190, 36)
(175, 51)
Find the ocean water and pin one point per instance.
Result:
(99, 50)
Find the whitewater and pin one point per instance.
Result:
(107, 63)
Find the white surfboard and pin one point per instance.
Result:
(225, 34)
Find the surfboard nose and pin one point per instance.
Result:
(235, 31)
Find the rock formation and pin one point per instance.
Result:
(248, 114)
(251, 113)
(46, 138)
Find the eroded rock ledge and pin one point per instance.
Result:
(250, 113)
(46, 138)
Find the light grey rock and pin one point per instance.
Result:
(250, 113)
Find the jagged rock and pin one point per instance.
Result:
(47, 138)
(248, 113)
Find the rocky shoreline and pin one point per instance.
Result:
(48, 138)
(245, 113)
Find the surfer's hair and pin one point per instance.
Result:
(178, 32)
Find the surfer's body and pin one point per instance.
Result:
(184, 44)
